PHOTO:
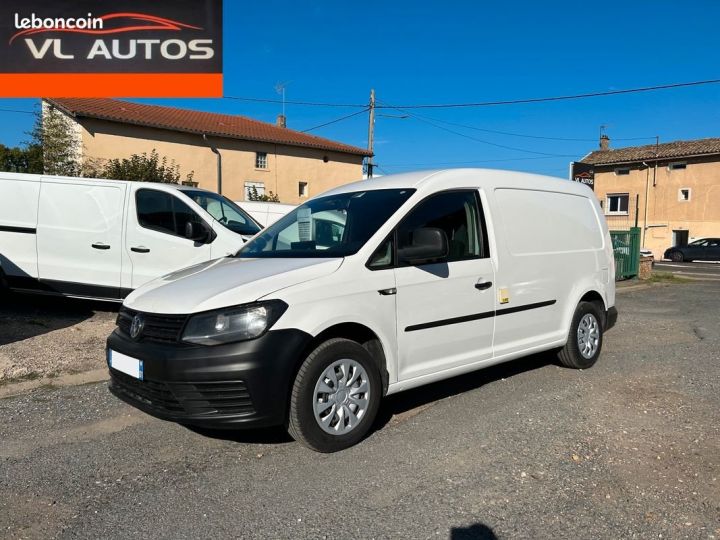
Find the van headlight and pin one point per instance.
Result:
(237, 323)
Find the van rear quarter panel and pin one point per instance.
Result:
(19, 209)
(550, 246)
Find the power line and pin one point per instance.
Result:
(561, 98)
(16, 111)
(487, 103)
(460, 134)
(527, 136)
(335, 121)
(303, 103)
(471, 162)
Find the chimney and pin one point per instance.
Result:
(604, 142)
(281, 121)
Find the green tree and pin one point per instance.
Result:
(138, 167)
(253, 195)
(55, 135)
(22, 160)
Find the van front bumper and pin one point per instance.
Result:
(236, 385)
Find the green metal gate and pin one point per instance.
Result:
(626, 248)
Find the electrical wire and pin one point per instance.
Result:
(303, 103)
(527, 136)
(336, 120)
(16, 111)
(488, 103)
(562, 98)
(465, 135)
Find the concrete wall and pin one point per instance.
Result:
(700, 216)
(287, 165)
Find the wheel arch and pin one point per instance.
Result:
(358, 333)
(589, 294)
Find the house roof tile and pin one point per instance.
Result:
(191, 121)
(675, 149)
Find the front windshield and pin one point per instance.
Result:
(225, 211)
(332, 226)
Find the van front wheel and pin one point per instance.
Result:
(335, 397)
(585, 338)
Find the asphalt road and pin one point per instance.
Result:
(627, 449)
(693, 269)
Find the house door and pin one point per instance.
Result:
(680, 238)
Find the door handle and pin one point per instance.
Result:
(140, 249)
(388, 292)
(481, 286)
(100, 245)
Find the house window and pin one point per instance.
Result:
(302, 189)
(617, 203)
(622, 172)
(684, 194)
(261, 160)
(678, 165)
(254, 190)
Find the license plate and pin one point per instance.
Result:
(126, 364)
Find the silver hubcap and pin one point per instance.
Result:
(588, 335)
(341, 397)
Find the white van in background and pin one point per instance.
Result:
(265, 213)
(95, 238)
(369, 289)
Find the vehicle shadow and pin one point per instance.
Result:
(24, 316)
(403, 402)
(397, 404)
(477, 531)
(270, 435)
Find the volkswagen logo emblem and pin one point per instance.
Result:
(136, 328)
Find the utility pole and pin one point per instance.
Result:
(371, 133)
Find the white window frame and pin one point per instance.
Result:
(303, 189)
(677, 166)
(625, 171)
(261, 160)
(259, 186)
(609, 212)
(680, 194)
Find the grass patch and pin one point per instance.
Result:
(666, 277)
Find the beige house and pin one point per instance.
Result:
(256, 154)
(672, 189)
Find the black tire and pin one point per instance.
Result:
(302, 425)
(570, 355)
(676, 256)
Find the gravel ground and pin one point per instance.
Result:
(628, 449)
(45, 336)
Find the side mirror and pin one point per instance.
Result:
(195, 232)
(428, 245)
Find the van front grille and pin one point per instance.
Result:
(158, 328)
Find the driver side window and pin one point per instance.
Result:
(164, 213)
(458, 214)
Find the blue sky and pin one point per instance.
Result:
(469, 51)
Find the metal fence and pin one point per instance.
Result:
(626, 248)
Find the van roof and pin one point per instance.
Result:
(434, 180)
(37, 177)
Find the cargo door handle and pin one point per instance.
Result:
(481, 286)
(140, 249)
(388, 292)
(100, 245)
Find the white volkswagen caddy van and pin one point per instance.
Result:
(94, 238)
(369, 289)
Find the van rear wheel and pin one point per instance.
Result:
(585, 338)
(335, 397)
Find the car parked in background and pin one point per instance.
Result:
(706, 249)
